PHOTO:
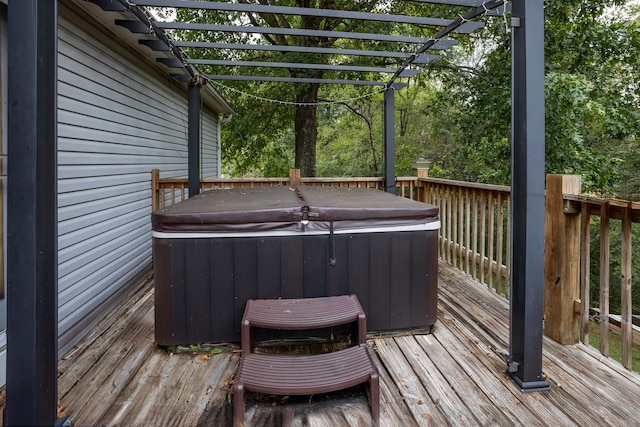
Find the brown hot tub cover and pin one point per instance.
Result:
(290, 208)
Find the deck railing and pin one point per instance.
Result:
(475, 224)
(613, 222)
(475, 238)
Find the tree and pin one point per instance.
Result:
(592, 98)
(304, 96)
(300, 99)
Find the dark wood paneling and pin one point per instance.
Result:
(291, 268)
(162, 274)
(222, 296)
(358, 273)
(338, 275)
(400, 280)
(197, 295)
(268, 263)
(422, 247)
(316, 255)
(177, 285)
(431, 257)
(380, 280)
(394, 276)
(245, 274)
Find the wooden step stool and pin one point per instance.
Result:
(304, 374)
(303, 314)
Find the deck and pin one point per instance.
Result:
(452, 376)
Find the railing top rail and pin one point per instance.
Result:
(170, 180)
(474, 185)
(363, 179)
(257, 180)
(573, 204)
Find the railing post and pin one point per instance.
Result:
(421, 170)
(155, 176)
(294, 177)
(561, 262)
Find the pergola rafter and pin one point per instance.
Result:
(403, 52)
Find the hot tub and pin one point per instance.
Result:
(216, 250)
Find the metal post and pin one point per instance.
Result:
(194, 138)
(32, 263)
(527, 186)
(389, 140)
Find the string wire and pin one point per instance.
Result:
(277, 101)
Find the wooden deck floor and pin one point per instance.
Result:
(453, 376)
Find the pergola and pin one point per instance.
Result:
(32, 196)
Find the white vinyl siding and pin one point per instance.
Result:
(117, 120)
(210, 147)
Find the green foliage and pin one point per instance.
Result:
(350, 138)
(591, 96)
(574, 118)
(615, 345)
(255, 136)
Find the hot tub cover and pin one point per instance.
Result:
(292, 209)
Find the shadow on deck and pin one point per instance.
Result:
(453, 376)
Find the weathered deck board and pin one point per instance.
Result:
(393, 408)
(104, 375)
(408, 385)
(438, 387)
(453, 376)
(478, 404)
(576, 375)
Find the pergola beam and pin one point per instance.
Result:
(299, 11)
(297, 32)
(439, 45)
(295, 80)
(301, 66)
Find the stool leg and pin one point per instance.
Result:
(362, 329)
(374, 383)
(287, 417)
(245, 335)
(238, 405)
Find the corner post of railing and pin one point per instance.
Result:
(294, 177)
(421, 170)
(155, 189)
(562, 261)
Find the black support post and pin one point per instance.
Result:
(32, 267)
(527, 186)
(194, 139)
(389, 140)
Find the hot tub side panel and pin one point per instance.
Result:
(202, 284)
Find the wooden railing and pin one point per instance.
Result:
(606, 217)
(475, 224)
(475, 237)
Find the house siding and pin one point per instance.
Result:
(118, 118)
(210, 146)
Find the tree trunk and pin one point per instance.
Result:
(306, 130)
